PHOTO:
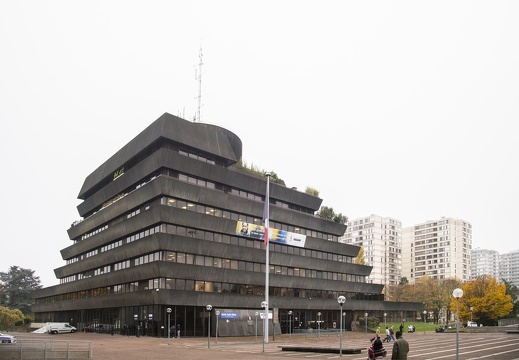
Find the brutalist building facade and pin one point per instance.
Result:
(160, 238)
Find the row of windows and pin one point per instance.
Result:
(207, 286)
(111, 246)
(213, 211)
(94, 232)
(222, 238)
(201, 260)
(196, 157)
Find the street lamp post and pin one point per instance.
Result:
(209, 308)
(341, 300)
(366, 321)
(256, 314)
(424, 314)
(471, 309)
(290, 324)
(319, 324)
(217, 313)
(264, 306)
(385, 324)
(168, 310)
(457, 293)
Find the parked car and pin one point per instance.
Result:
(7, 339)
(472, 324)
(58, 328)
(439, 329)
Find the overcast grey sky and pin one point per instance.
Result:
(405, 109)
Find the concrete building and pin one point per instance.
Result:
(169, 224)
(509, 267)
(484, 262)
(381, 240)
(438, 248)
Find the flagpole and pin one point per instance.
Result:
(267, 266)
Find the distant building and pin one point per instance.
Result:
(380, 237)
(484, 262)
(509, 267)
(440, 249)
(170, 225)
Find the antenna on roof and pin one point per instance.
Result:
(198, 77)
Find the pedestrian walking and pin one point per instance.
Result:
(392, 333)
(388, 335)
(400, 348)
(377, 336)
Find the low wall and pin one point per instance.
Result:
(46, 349)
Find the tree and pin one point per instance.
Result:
(312, 191)
(513, 291)
(9, 317)
(359, 259)
(17, 288)
(487, 298)
(327, 213)
(397, 292)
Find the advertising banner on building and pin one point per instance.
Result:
(275, 235)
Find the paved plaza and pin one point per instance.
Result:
(429, 346)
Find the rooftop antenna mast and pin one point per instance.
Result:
(198, 77)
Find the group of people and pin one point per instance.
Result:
(377, 350)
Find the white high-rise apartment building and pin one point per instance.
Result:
(380, 237)
(440, 249)
(484, 262)
(509, 267)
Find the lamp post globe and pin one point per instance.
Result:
(264, 305)
(217, 313)
(256, 314)
(168, 310)
(424, 316)
(319, 324)
(366, 321)
(457, 293)
(209, 308)
(290, 324)
(341, 300)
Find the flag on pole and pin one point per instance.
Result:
(266, 215)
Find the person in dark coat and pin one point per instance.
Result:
(400, 348)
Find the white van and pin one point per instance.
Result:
(57, 328)
(472, 324)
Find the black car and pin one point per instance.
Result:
(439, 329)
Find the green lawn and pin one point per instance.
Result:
(420, 326)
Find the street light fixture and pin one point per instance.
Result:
(217, 313)
(319, 324)
(341, 300)
(168, 310)
(209, 308)
(264, 306)
(385, 315)
(424, 314)
(457, 293)
(256, 314)
(290, 324)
